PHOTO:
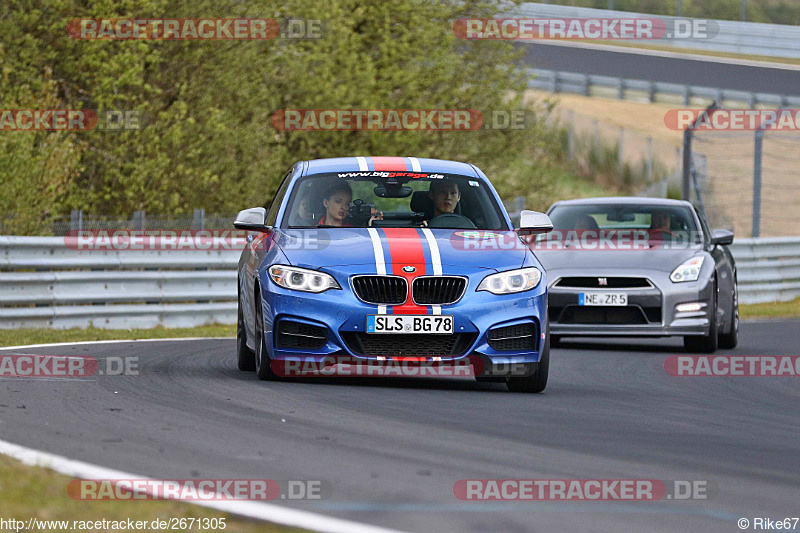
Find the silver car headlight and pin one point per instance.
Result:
(522, 279)
(301, 279)
(688, 270)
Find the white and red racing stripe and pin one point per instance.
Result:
(380, 264)
(406, 249)
(436, 261)
(389, 163)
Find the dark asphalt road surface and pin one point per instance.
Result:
(666, 69)
(392, 450)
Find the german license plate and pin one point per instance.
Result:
(410, 324)
(603, 298)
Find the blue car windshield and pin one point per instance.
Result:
(392, 199)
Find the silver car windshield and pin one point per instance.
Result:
(664, 222)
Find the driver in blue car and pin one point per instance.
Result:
(445, 196)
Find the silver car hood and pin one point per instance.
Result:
(660, 259)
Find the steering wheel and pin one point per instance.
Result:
(662, 232)
(451, 220)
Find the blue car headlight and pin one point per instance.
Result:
(301, 279)
(511, 281)
(688, 270)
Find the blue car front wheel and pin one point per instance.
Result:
(536, 379)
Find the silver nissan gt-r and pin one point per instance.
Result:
(639, 267)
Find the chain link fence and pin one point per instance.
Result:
(748, 181)
(639, 163)
(139, 220)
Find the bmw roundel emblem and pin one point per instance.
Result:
(409, 268)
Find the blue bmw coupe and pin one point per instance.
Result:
(392, 259)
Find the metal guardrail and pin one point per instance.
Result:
(626, 88)
(46, 284)
(735, 37)
(768, 268)
(41, 286)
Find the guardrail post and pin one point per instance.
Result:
(76, 220)
(687, 95)
(571, 136)
(621, 89)
(651, 92)
(757, 156)
(199, 219)
(138, 220)
(751, 100)
(586, 85)
(686, 192)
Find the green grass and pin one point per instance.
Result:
(34, 492)
(771, 310)
(16, 337)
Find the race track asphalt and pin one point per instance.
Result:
(628, 64)
(390, 450)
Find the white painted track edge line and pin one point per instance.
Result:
(249, 509)
(115, 341)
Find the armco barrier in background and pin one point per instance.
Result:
(733, 37)
(651, 91)
(45, 284)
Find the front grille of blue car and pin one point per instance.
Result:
(293, 334)
(408, 344)
(519, 338)
(381, 290)
(438, 290)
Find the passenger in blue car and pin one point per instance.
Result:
(337, 202)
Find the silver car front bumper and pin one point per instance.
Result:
(651, 310)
